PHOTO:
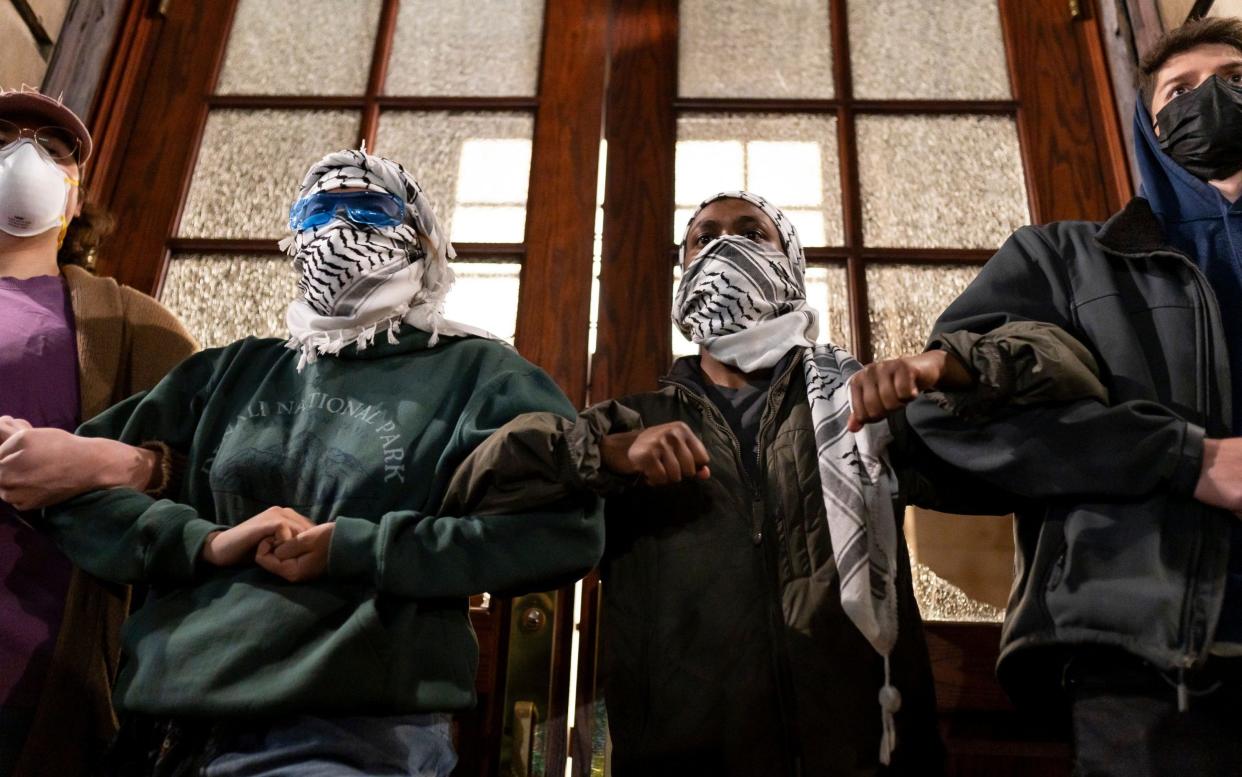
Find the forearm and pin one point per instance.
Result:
(121, 535)
(417, 556)
(1081, 449)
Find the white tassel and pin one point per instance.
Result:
(890, 703)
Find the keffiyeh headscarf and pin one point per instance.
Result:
(746, 305)
(357, 281)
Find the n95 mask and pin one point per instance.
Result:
(33, 190)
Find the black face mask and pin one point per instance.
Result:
(1202, 130)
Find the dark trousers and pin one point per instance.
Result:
(1126, 721)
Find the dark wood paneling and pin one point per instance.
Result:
(1059, 147)
(985, 735)
(162, 142)
(633, 345)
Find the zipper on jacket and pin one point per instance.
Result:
(776, 621)
(1194, 642)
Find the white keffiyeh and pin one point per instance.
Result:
(358, 281)
(746, 305)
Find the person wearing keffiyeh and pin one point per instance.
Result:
(309, 582)
(759, 617)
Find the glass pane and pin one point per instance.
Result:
(827, 291)
(791, 159)
(730, 48)
(487, 48)
(222, 298)
(300, 47)
(904, 301)
(475, 168)
(940, 181)
(249, 167)
(913, 49)
(485, 295)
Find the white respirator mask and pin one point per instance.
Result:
(33, 191)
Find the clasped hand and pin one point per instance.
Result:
(279, 539)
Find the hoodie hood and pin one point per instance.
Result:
(1176, 196)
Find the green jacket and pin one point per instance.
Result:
(726, 648)
(368, 439)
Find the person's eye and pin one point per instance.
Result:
(1235, 78)
(1178, 91)
(703, 239)
(754, 234)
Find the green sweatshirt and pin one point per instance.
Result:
(369, 439)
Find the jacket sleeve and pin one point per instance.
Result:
(122, 535)
(157, 341)
(1070, 446)
(540, 458)
(502, 545)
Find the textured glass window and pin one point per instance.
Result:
(485, 295)
(487, 48)
(914, 49)
(940, 181)
(904, 301)
(224, 297)
(790, 159)
(475, 167)
(250, 165)
(300, 47)
(827, 291)
(740, 48)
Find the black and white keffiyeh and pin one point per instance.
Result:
(357, 281)
(746, 305)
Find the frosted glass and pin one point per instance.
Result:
(827, 291)
(732, 48)
(487, 48)
(300, 47)
(790, 159)
(914, 49)
(475, 168)
(940, 181)
(904, 301)
(249, 167)
(222, 298)
(485, 295)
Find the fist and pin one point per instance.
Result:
(233, 546)
(883, 387)
(668, 453)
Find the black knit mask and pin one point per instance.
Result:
(1202, 129)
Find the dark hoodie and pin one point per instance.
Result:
(1197, 219)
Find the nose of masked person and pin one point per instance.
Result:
(1202, 129)
(34, 191)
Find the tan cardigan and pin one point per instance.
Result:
(126, 342)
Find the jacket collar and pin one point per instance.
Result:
(1134, 231)
(687, 372)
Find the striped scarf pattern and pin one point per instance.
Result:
(746, 305)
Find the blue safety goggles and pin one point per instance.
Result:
(366, 209)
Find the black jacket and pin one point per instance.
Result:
(1112, 548)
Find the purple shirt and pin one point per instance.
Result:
(38, 382)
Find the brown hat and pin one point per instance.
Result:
(30, 102)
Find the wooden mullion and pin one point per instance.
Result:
(782, 105)
(925, 255)
(379, 72)
(851, 199)
(285, 101)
